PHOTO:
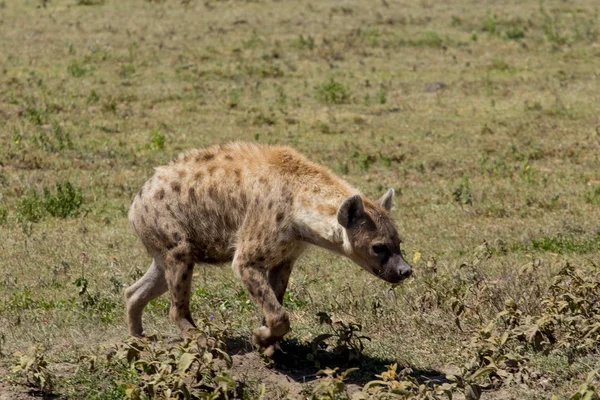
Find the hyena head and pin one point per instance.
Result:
(372, 239)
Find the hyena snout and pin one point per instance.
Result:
(396, 270)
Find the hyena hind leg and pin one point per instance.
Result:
(179, 280)
(147, 288)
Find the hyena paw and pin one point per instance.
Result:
(265, 341)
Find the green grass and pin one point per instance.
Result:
(483, 117)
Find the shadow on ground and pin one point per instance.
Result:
(296, 360)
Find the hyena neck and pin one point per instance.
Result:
(321, 228)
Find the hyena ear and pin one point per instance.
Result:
(351, 209)
(387, 200)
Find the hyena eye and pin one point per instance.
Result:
(380, 249)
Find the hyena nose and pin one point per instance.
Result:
(406, 271)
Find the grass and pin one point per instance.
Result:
(496, 176)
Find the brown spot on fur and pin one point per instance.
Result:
(184, 276)
(211, 169)
(228, 157)
(192, 195)
(212, 191)
(208, 156)
(182, 173)
(326, 209)
(146, 207)
(179, 256)
(176, 187)
(198, 176)
(279, 217)
(160, 194)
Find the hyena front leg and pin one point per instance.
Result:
(179, 279)
(276, 319)
(279, 277)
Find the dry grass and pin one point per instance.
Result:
(484, 116)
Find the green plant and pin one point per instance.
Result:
(54, 139)
(514, 33)
(364, 160)
(93, 97)
(157, 140)
(490, 24)
(304, 42)
(332, 385)
(234, 98)
(3, 215)
(402, 385)
(76, 70)
(30, 207)
(196, 368)
(588, 390)
(127, 71)
(429, 39)
(463, 194)
(381, 97)
(593, 196)
(552, 27)
(347, 338)
(332, 92)
(35, 368)
(65, 202)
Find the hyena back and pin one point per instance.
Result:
(257, 206)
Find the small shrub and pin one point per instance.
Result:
(110, 105)
(127, 71)
(36, 115)
(30, 208)
(93, 97)
(490, 24)
(3, 215)
(157, 140)
(332, 385)
(429, 39)
(593, 196)
(66, 202)
(588, 390)
(76, 70)
(234, 98)
(514, 33)
(348, 339)
(302, 42)
(462, 194)
(35, 368)
(402, 386)
(332, 92)
(197, 368)
(381, 97)
(364, 160)
(54, 139)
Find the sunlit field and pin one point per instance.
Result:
(484, 116)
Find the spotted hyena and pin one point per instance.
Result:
(259, 207)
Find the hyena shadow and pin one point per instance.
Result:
(298, 361)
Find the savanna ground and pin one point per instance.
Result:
(483, 115)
